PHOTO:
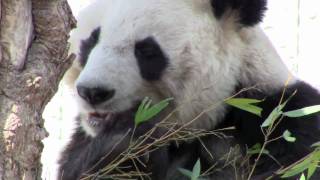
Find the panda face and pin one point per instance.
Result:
(195, 51)
(145, 48)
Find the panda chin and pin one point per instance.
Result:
(97, 121)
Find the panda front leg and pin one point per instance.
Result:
(71, 162)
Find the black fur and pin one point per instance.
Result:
(87, 156)
(305, 129)
(151, 59)
(87, 45)
(250, 12)
(84, 152)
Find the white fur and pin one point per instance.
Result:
(86, 126)
(87, 20)
(207, 57)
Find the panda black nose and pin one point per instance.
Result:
(95, 95)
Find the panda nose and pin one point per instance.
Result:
(95, 95)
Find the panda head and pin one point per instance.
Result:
(191, 50)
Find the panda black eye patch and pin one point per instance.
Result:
(87, 45)
(151, 59)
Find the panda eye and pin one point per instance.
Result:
(151, 60)
(147, 48)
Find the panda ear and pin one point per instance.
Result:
(249, 12)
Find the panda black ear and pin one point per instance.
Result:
(250, 12)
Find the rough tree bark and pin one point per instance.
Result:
(33, 58)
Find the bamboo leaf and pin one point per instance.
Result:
(276, 113)
(317, 144)
(303, 112)
(139, 113)
(196, 171)
(256, 149)
(246, 105)
(156, 109)
(302, 166)
(185, 172)
(312, 169)
(147, 104)
(287, 135)
(145, 112)
(244, 100)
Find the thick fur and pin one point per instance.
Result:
(86, 155)
(250, 12)
(83, 153)
(87, 45)
(305, 129)
(200, 52)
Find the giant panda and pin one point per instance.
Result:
(200, 53)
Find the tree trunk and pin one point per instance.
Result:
(33, 59)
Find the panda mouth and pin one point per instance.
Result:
(96, 119)
(107, 118)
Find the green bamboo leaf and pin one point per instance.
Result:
(293, 172)
(312, 169)
(246, 105)
(303, 177)
(154, 110)
(145, 112)
(140, 112)
(317, 144)
(304, 165)
(196, 171)
(273, 116)
(147, 104)
(185, 172)
(244, 100)
(287, 135)
(276, 113)
(303, 112)
(256, 149)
